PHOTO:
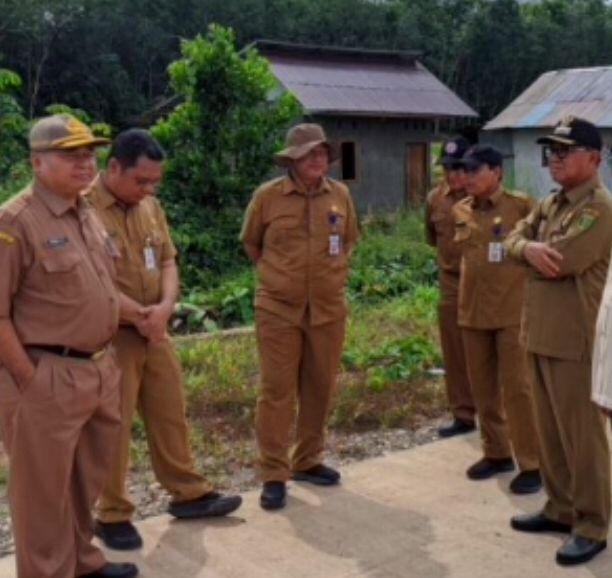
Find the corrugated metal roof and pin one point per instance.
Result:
(361, 82)
(584, 92)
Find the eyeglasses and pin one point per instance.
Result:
(561, 152)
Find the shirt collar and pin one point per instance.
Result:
(103, 197)
(56, 204)
(492, 200)
(290, 186)
(578, 193)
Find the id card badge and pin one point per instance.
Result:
(335, 245)
(149, 257)
(496, 252)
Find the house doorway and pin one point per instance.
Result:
(417, 173)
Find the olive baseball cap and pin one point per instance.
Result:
(574, 131)
(62, 132)
(301, 139)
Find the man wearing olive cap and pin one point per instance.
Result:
(566, 244)
(59, 396)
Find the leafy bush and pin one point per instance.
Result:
(220, 141)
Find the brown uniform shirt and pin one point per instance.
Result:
(135, 230)
(57, 284)
(440, 227)
(491, 288)
(560, 314)
(293, 229)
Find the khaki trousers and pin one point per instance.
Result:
(574, 448)
(59, 431)
(497, 366)
(458, 390)
(298, 363)
(151, 382)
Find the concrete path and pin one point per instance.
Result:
(412, 514)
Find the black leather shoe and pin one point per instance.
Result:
(488, 467)
(537, 523)
(273, 495)
(211, 505)
(578, 550)
(527, 482)
(112, 570)
(319, 475)
(456, 428)
(118, 535)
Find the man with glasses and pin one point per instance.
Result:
(566, 243)
(490, 301)
(440, 230)
(59, 380)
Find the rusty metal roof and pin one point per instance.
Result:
(583, 92)
(355, 82)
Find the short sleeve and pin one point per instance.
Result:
(252, 225)
(168, 249)
(11, 265)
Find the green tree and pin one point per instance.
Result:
(220, 140)
(13, 131)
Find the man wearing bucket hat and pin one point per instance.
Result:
(59, 394)
(566, 243)
(299, 230)
(440, 230)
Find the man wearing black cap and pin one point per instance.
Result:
(490, 302)
(439, 229)
(566, 242)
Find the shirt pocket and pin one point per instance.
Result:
(64, 273)
(282, 228)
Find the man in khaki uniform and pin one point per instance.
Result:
(148, 280)
(490, 302)
(440, 232)
(59, 396)
(566, 242)
(300, 231)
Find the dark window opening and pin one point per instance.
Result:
(349, 161)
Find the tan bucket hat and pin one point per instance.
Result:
(62, 132)
(301, 139)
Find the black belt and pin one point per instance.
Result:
(68, 351)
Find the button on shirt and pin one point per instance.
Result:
(491, 291)
(135, 230)
(57, 283)
(293, 230)
(560, 314)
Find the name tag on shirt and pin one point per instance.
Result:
(496, 252)
(335, 245)
(149, 257)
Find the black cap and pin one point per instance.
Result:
(479, 155)
(453, 151)
(572, 131)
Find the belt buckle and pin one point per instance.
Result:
(98, 355)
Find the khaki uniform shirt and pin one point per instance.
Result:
(440, 233)
(134, 231)
(57, 283)
(293, 230)
(491, 288)
(559, 314)
(440, 227)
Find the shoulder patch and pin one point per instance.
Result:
(7, 238)
(587, 218)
